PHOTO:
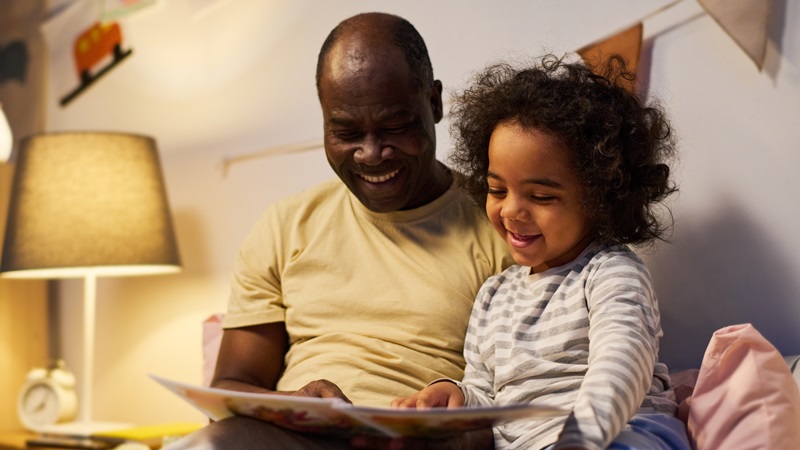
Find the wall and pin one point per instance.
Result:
(217, 79)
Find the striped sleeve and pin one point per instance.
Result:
(478, 382)
(623, 345)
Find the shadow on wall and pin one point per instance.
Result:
(723, 271)
(779, 35)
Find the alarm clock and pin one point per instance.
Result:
(48, 397)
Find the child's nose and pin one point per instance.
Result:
(513, 209)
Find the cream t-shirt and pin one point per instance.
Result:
(377, 303)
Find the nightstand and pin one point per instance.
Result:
(15, 440)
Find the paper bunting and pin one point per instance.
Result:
(627, 44)
(745, 21)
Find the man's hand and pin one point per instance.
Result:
(320, 389)
(442, 394)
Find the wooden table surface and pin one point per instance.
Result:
(16, 440)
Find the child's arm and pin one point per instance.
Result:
(442, 393)
(478, 383)
(623, 336)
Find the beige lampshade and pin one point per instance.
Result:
(88, 201)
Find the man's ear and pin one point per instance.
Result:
(436, 101)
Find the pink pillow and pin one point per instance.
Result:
(745, 396)
(212, 337)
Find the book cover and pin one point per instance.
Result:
(337, 417)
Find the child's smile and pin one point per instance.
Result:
(534, 199)
(522, 240)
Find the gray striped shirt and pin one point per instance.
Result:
(583, 336)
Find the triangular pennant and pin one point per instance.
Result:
(745, 21)
(627, 44)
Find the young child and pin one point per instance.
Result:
(572, 168)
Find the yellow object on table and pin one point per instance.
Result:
(151, 435)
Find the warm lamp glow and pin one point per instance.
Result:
(88, 205)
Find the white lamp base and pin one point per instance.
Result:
(83, 428)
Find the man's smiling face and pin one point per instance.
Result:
(379, 128)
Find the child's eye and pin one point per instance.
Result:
(542, 198)
(496, 192)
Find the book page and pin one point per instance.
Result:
(337, 417)
(309, 415)
(440, 422)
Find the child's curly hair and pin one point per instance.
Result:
(618, 145)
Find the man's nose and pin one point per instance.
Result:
(373, 151)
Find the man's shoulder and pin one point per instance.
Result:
(297, 209)
(329, 191)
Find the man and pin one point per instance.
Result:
(359, 288)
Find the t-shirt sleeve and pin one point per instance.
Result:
(256, 295)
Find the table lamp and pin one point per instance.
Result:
(83, 205)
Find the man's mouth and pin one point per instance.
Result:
(379, 178)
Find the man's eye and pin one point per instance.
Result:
(396, 130)
(346, 135)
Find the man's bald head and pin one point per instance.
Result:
(370, 33)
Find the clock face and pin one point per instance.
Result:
(46, 400)
(40, 405)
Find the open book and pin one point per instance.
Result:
(337, 417)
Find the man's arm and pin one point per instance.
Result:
(251, 360)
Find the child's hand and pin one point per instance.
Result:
(440, 394)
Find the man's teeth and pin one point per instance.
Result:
(380, 179)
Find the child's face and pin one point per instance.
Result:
(534, 199)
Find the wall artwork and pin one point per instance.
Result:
(115, 9)
(83, 48)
